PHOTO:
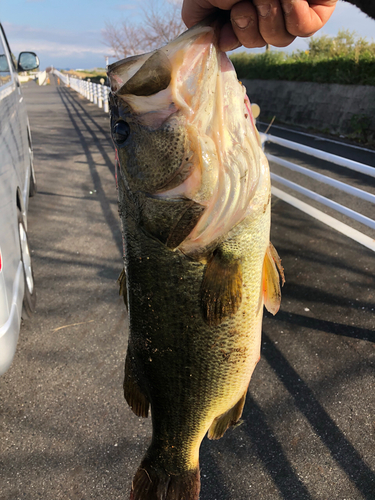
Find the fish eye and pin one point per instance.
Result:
(121, 132)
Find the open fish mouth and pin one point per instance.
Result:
(190, 88)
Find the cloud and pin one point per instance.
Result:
(55, 49)
(27, 33)
(53, 46)
(124, 7)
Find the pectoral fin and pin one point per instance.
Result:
(221, 289)
(169, 221)
(271, 279)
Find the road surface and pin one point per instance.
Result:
(308, 430)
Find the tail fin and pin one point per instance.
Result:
(153, 483)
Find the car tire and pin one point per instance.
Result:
(29, 297)
(32, 186)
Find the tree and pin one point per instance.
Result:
(345, 44)
(161, 23)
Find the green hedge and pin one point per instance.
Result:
(301, 67)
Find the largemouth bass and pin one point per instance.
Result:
(194, 200)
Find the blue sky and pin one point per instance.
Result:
(67, 33)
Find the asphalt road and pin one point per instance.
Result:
(308, 430)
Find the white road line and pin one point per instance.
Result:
(326, 219)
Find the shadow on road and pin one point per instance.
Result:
(77, 121)
(341, 450)
(354, 332)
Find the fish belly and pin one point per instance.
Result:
(191, 373)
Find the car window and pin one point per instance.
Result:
(5, 76)
(13, 58)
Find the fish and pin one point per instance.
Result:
(194, 202)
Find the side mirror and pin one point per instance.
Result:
(27, 61)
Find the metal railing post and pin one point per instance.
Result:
(100, 100)
(106, 95)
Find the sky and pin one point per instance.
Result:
(68, 34)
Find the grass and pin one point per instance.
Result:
(85, 74)
(345, 59)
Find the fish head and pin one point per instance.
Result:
(183, 128)
(147, 131)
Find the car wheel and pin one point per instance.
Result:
(29, 298)
(32, 186)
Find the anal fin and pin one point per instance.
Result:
(223, 422)
(272, 268)
(221, 289)
(135, 398)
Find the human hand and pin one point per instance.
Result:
(258, 22)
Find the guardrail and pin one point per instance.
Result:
(94, 92)
(98, 94)
(342, 186)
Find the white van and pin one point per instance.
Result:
(17, 183)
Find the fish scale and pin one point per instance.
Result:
(178, 339)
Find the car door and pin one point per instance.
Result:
(19, 127)
(12, 182)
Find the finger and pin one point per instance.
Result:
(271, 23)
(228, 39)
(194, 11)
(244, 19)
(304, 18)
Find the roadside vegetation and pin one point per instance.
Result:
(94, 75)
(346, 59)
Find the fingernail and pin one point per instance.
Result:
(287, 7)
(264, 10)
(242, 22)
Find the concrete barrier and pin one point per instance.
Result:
(342, 109)
(42, 78)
